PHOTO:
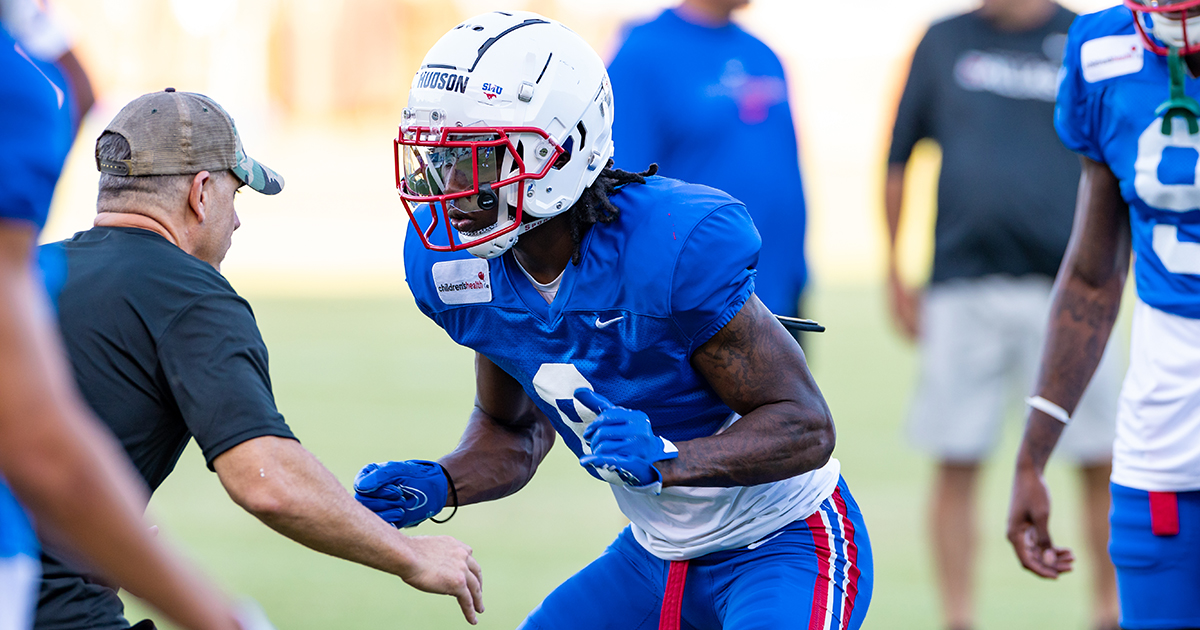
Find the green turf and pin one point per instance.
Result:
(365, 380)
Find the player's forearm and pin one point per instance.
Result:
(771, 443)
(494, 459)
(1081, 319)
(1084, 307)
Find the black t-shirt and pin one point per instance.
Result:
(163, 350)
(1006, 195)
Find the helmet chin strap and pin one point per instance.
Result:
(1179, 104)
(525, 227)
(504, 242)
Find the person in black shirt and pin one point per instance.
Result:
(164, 349)
(58, 466)
(982, 86)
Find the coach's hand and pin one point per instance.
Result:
(402, 493)
(1029, 526)
(622, 442)
(443, 565)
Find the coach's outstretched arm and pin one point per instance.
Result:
(1087, 297)
(280, 482)
(786, 429)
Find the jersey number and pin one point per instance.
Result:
(556, 384)
(1176, 255)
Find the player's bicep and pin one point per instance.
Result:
(1100, 237)
(501, 397)
(753, 361)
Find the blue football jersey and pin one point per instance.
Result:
(1109, 91)
(651, 288)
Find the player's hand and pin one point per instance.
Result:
(402, 493)
(1029, 527)
(905, 304)
(443, 565)
(622, 442)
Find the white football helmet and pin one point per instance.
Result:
(511, 113)
(1175, 23)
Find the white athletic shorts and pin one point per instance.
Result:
(19, 576)
(980, 346)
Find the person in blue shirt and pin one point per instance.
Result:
(708, 102)
(54, 458)
(617, 310)
(1127, 104)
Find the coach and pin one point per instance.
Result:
(164, 349)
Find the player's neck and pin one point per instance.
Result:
(1018, 15)
(545, 251)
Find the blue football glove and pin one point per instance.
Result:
(622, 442)
(402, 493)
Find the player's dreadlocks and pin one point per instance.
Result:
(594, 205)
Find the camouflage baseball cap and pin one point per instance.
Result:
(182, 133)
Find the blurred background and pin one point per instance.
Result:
(316, 87)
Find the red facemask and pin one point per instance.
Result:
(1163, 7)
(436, 166)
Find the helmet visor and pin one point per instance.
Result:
(457, 170)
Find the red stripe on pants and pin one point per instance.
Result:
(821, 587)
(672, 606)
(852, 570)
(1164, 513)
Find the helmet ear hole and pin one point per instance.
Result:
(566, 154)
(582, 134)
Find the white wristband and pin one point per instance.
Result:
(1049, 408)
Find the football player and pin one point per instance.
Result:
(618, 310)
(1126, 105)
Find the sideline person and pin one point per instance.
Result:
(695, 89)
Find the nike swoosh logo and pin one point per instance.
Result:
(755, 545)
(600, 324)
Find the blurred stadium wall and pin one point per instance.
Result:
(316, 87)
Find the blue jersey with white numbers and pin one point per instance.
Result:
(1110, 89)
(651, 288)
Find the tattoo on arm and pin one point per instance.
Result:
(757, 369)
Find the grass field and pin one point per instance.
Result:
(365, 380)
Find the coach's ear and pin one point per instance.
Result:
(198, 196)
